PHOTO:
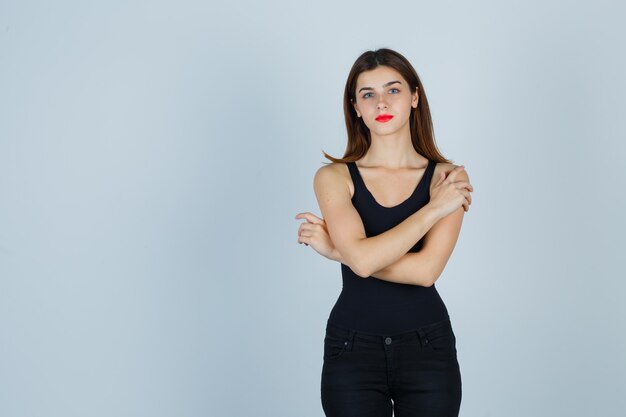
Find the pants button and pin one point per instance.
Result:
(388, 340)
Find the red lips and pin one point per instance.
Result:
(384, 118)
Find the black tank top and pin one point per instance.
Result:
(376, 306)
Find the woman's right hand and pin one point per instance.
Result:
(448, 195)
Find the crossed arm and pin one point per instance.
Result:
(395, 263)
(424, 267)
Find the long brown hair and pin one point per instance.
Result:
(421, 125)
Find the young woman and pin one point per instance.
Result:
(392, 210)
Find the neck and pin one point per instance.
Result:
(392, 151)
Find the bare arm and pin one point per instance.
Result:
(424, 267)
(406, 270)
(365, 255)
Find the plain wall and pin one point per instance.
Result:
(153, 156)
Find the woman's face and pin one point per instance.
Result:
(384, 91)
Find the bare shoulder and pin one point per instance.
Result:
(446, 168)
(334, 176)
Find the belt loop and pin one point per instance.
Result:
(422, 336)
(350, 340)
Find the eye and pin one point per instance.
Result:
(365, 95)
(394, 89)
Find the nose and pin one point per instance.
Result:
(382, 104)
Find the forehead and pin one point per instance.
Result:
(377, 77)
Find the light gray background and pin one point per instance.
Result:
(153, 156)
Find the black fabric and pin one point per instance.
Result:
(407, 374)
(374, 305)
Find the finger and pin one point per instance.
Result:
(442, 176)
(462, 206)
(465, 204)
(307, 228)
(465, 192)
(310, 217)
(463, 184)
(452, 174)
(311, 230)
(313, 226)
(304, 238)
(467, 185)
(467, 196)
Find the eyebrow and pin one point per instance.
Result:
(384, 85)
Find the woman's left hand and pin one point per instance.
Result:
(315, 234)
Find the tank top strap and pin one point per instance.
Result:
(354, 173)
(430, 169)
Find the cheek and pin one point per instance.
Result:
(401, 100)
(366, 105)
(366, 109)
(402, 104)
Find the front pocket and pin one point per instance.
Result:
(332, 351)
(441, 339)
(334, 347)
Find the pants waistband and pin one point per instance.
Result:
(352, 334)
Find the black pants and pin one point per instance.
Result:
(417, 370)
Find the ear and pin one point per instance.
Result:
(415, 98)
(355, 108)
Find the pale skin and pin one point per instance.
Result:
(390, 170)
